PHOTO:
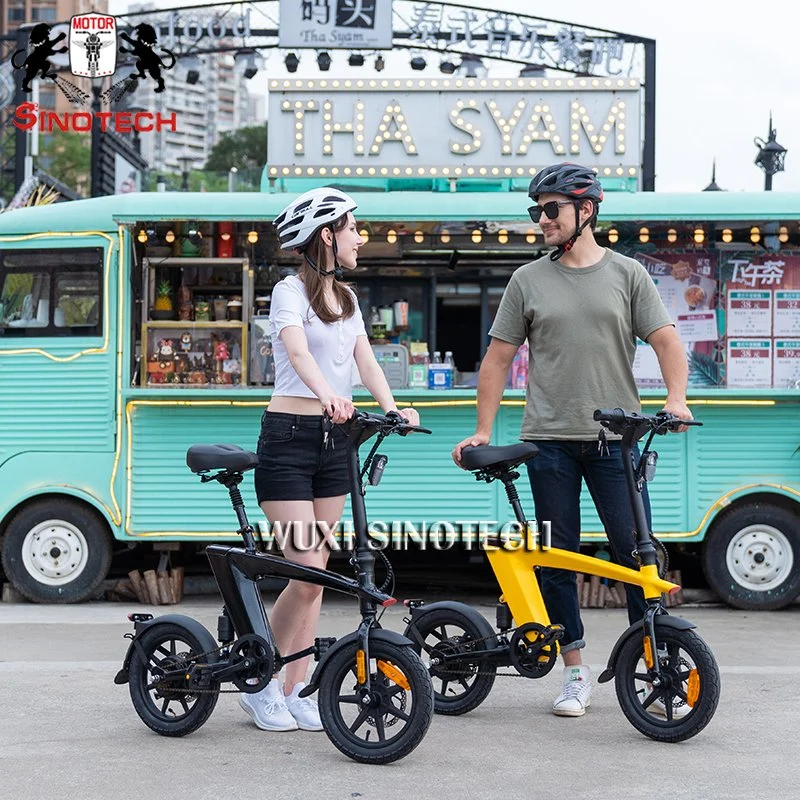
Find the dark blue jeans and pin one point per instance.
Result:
(555, 475)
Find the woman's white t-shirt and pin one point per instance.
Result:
(330, 343)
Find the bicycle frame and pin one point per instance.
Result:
(514, 569)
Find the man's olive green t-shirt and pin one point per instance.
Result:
(581, 325)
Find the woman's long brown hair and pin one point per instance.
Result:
(315, 284)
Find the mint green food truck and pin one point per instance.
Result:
(134, 326)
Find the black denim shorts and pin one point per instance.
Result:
(293, 461)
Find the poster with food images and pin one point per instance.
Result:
(749, 363)
(786, 364)
(687, 285)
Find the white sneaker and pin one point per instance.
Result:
(268, 708)
(303, 709)
(659, 709)
(576, 693)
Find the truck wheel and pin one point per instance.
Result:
(56, 551)
(751, 557)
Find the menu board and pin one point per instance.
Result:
(786, 364)
(646, 370)
(786, 313)
(749, 313)
(749, 363)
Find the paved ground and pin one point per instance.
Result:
(68, 731)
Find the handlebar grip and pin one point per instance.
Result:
(609, 415)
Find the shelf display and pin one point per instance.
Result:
(195, 321)
(197, 354)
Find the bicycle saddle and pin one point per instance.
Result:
(487, 456)
(230, 457)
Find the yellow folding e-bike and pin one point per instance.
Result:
(667, 680)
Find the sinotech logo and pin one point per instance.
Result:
(94, 47)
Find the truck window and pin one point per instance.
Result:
(55, 292)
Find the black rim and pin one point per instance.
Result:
(453, 677)
(169, 700)
(386, 718)
(669, 703)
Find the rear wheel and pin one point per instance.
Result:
(446, 640)
(57, 551)
(386, 723)
(681, 702)
(751, 557)
(169, 706)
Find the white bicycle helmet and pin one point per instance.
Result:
(313, 210)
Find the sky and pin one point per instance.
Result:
(719, 74)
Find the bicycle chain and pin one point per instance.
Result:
(514, 674)
(190, 690)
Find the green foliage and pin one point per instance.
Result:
(244, 149)
(703, 370)
(67, 156)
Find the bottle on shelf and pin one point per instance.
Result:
(440, 374)
(437, 357)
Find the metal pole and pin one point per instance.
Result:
(20, 136)
(649, 149)
(97, 159)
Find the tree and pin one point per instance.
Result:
(245, 149)
(67, 156)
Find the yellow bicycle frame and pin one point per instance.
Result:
(520, 589)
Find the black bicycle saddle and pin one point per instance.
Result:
(229, 457)
(486, 456)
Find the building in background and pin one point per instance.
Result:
(210, 96)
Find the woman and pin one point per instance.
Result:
(302, 477)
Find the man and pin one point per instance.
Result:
(581, 310)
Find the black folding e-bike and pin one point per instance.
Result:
(375, 694)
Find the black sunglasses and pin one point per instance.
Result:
(550, 209)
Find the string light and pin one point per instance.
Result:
(502, 236)
(444, 236)
(727, 235)
(755, 235)
(644, 235)
(699, 235)
(142, 236)
(530, 236)
(419, 237)
(169, 236)
(364, 234)
(476, 236)
(252, 237)
(672, 236)
(783, 234)
(613, 235)
(391, 236)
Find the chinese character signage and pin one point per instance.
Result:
(328, 24)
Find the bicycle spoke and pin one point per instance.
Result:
(185, 705)
(350, 698)
(360, 720)
(379, 728)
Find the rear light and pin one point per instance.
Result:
(389, 602)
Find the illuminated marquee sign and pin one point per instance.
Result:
(452, 127)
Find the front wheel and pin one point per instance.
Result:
(446, 640)
(169, 706)
(385, 723)
(680, 703)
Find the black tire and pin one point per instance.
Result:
(57, 551)
(751, 557)
(453, 633)
(177, 711)
(351, 728)
(686, 655)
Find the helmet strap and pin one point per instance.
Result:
(337, 271)
(570, 243)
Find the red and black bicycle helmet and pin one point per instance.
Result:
(573, 181)
(568, 179)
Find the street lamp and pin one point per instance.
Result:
(770, 156)
(185, 164)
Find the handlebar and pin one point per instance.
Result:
(618, 420)
(391, 422)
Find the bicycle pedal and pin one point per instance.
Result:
(321, 646)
